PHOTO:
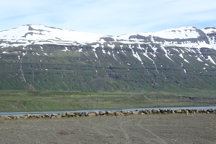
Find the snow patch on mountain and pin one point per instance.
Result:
(43, 34)
(182, 40)
(178, 33)
(209, 30)
(211, 60)
(40, 34)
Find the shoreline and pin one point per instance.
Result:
(110, 112)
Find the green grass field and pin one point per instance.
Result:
(11, 100)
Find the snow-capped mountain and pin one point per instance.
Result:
(40, 34)
(180, 57)
(190, 37)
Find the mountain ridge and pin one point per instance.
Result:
(46, 58)
(40, 34)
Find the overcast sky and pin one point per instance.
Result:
(109, 16)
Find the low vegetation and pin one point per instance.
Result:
(11, 100)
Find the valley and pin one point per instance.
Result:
(23, 101)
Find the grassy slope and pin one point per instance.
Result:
(53, 100)
(75, 71)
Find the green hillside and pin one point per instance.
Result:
(54, 69)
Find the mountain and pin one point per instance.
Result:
(38, 57)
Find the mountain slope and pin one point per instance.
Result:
(46, 58)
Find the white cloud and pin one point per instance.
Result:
(108, 16)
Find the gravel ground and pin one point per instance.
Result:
(136, 129)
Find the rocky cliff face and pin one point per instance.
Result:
(46, 58)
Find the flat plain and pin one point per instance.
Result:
(18, 100)
(135, 129)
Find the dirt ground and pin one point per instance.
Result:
(147, 129)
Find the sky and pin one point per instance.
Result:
(109, 16)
